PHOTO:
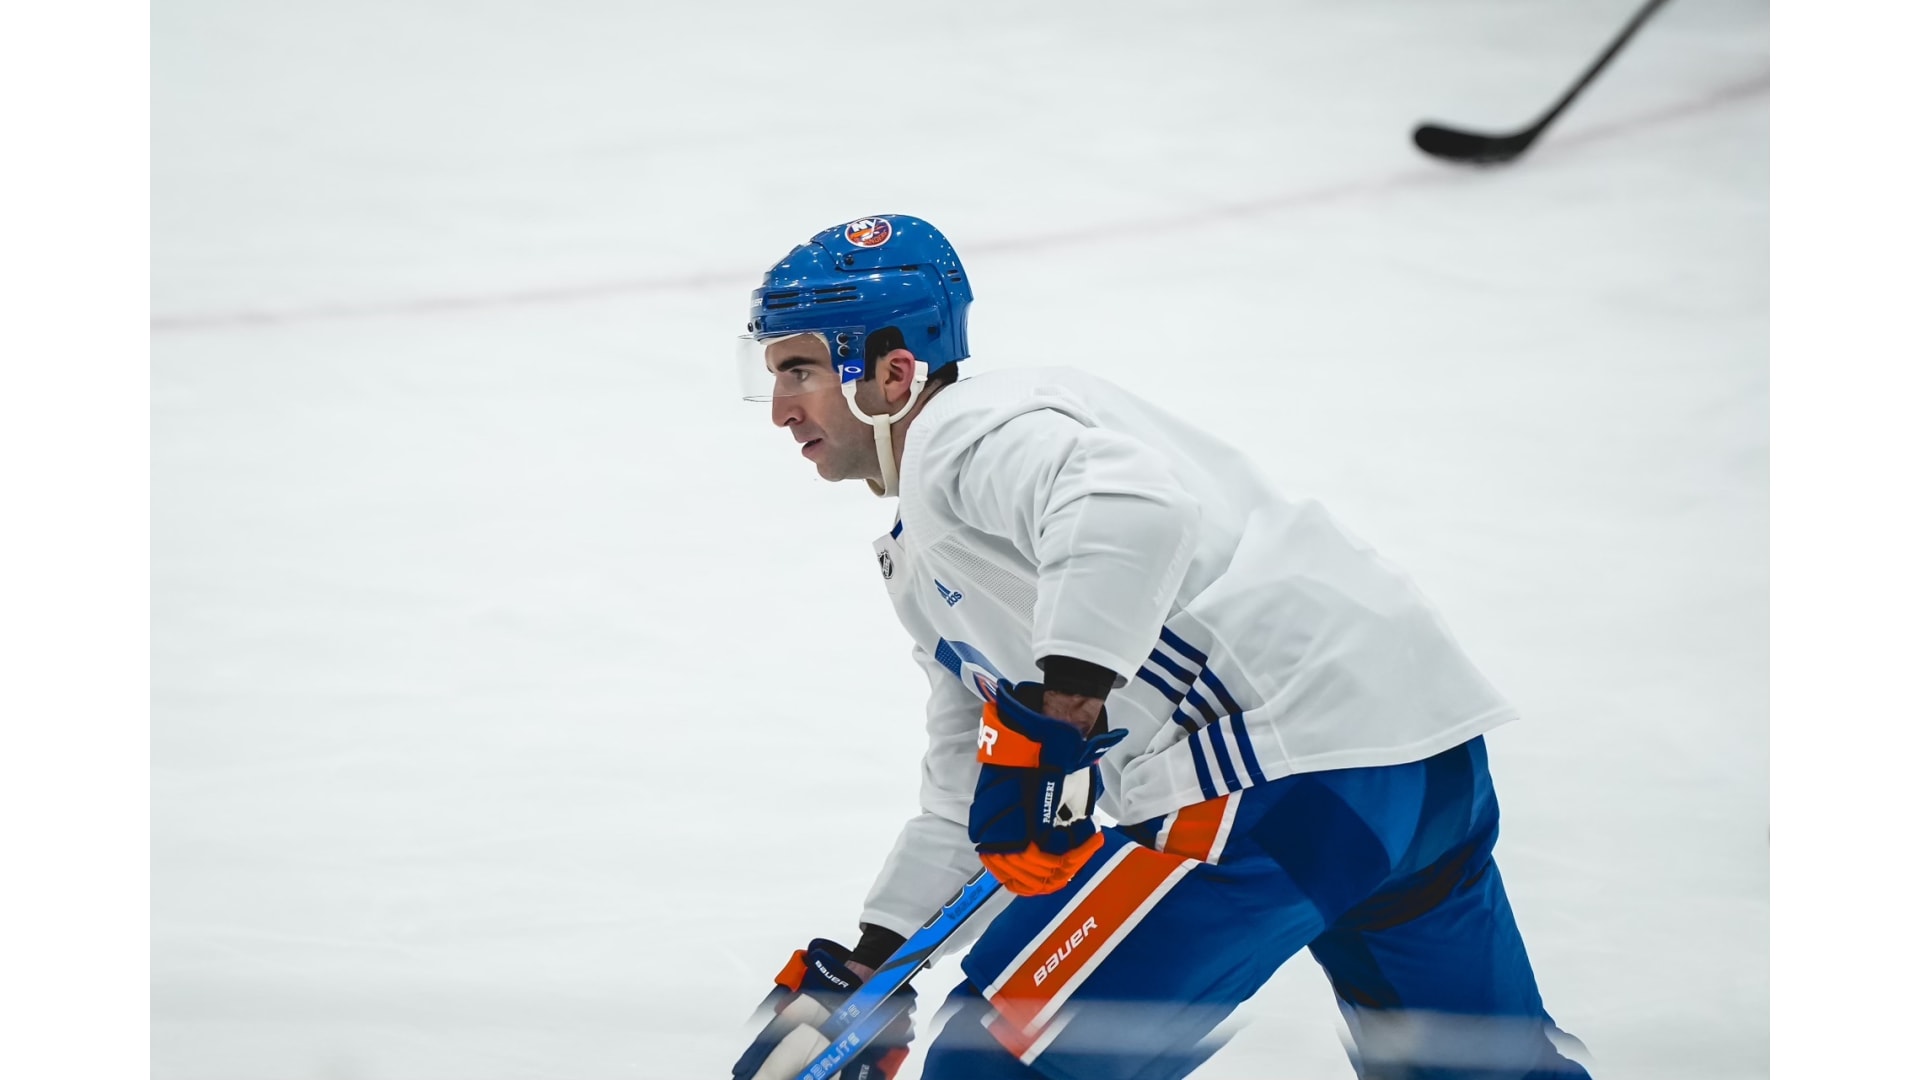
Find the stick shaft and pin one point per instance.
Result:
(1619, 42)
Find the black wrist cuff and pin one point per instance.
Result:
(877, 943)
(1067, 675)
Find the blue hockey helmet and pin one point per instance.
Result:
(851, 281)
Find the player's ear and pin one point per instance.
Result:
(896, 374)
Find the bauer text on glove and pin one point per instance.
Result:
(812, 985)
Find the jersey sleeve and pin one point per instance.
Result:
(933, 857)
(1101, 515)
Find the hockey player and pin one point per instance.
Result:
(1113, 607)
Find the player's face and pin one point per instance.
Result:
(809, 404)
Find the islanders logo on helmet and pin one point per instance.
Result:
(869, 232)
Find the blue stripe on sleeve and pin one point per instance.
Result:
(1220, 755)
(1200, 768)
(1172, 666)
(1182, 647)
(1239, 725)
(1160, 684)
(1220, 691)
(1200, 703)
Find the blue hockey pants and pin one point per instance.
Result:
(1385, 874)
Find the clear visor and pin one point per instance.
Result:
(786, 366)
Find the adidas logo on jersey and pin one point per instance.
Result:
(1065, 950)
(951, 596)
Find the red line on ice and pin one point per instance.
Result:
(1090, 234)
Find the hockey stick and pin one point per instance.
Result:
(863, 1016)
(1452, 144)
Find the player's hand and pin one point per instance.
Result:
(807, 991)
(1031, 818)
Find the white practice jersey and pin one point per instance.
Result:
(1047, 512)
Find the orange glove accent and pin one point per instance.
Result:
(1034, 872)
(1001, 745)
(796, 970)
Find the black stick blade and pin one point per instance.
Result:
(1450, 144)
(1471, 148)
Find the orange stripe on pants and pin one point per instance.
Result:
(1097, 922)
(1195, 827)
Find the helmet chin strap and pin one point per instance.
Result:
(882, 426)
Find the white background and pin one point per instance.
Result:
(519, 699)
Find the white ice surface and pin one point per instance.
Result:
(520, 698)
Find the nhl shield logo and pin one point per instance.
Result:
(869, 232)
(886, 566)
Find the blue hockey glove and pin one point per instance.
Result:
(1031, 818)
(807, 991)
